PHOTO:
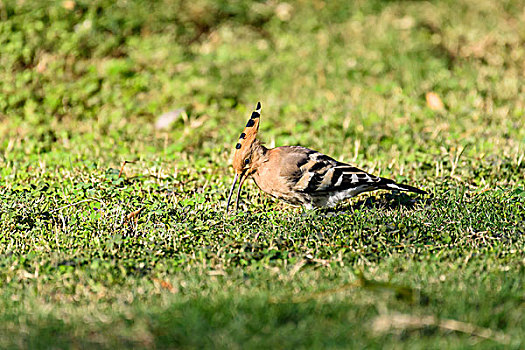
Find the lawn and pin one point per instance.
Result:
(113, 231)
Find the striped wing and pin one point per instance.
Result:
(318, 173)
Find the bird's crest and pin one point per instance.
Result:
(246, 139)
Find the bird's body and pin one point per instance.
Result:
(301, 176)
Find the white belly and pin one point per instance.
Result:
(332, 198)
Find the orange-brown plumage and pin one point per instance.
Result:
(298, 175)
(247, 144)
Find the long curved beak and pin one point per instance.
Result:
(241, 182)
(231, 191)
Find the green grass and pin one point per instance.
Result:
(149, 259)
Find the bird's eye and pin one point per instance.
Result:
(247, 161)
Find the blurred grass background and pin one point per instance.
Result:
(91, 258)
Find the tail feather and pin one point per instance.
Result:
(388, 184)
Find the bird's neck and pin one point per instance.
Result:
(259, 155)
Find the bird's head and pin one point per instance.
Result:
(244, 149)
(247, 142)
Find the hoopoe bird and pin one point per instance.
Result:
(298, 175)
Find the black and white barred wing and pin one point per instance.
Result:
(317, 174)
